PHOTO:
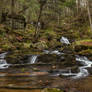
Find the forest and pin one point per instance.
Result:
(46, 45)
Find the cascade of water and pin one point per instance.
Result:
(83, 71)
(3, 63)
(46, 51)
(53, 52)
(33, 59)
(3, 55)
(64, 40)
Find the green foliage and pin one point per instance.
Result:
(70, 3)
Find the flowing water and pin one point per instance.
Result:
(83, 69)
(3, 63)
(53, 52)
(64, 40)
(33, 59)
(33, 75)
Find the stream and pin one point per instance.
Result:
(35, 74)
(83, 72)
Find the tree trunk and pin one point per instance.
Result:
(37, 24)
(89, 15)
(12, 13)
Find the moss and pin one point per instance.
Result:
(40, 45)
(51, 90)
(49, 33)
(86, 52)
(26, 45)
(83, 46)
(54, 44)
(82, 42)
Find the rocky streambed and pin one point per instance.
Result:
(51, 69)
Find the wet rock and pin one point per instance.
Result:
(66, 60)
(75, 69)
(79, 48)
(69, 60)
(90, 70)
(48, 58)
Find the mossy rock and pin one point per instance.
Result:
(51, 90)
(86, 52)
(26, 45)
(50, 34)
(82, 45)
(54, 44)
(48, 58)
(65, 60)
(86, 42)
(40, 45)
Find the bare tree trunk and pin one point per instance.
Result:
(89, 15)
(12, 12)
(77, 5)
(38, 23)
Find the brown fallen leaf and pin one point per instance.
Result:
(19, 38)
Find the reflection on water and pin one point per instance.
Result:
(16, 90)
(39, 76)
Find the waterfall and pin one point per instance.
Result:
(33, 59)
(53, 52)
(3, 55)
(3, 63)
(64, 40)
(46, 51)
(83, 72)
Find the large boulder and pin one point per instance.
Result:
(83, 46)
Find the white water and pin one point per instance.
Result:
(64, 40)
(33, 59)
(3, 63)
(83, 71)
(3, 55)
(53, 52)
